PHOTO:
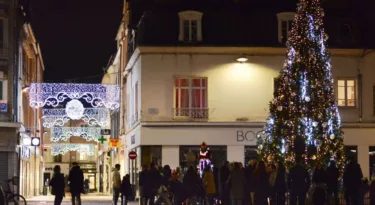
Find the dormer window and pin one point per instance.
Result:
(190, 26)
(285, 24)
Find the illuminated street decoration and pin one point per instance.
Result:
(52, 94)
(64, 133)
(74, 109)
(60, 148)
(91, 116)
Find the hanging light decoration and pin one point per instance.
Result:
(52, 94)
(91, 116)
(60, 148)
(64, 133)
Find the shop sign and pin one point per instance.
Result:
(132, 139)
(114, 143)
(105, 132)
(25, 152)
(247, 136)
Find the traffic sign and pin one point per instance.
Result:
(132, 155)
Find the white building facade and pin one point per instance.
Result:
(179, 97)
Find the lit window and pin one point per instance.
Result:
(190, 26)
(285, 24)
(346, 93)
(191, 98)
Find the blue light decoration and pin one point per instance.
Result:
(52, 94)
(62, 148)
(91, 116)
(65, 133)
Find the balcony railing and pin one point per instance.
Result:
(190, 113)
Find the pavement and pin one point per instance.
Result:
(89, 199)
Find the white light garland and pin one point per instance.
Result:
(52, 94)
(74, 109)
(60, 148)
(64, 133)
(91, 116)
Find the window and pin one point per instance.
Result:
(373, 99)
(191, 97)
(190, 26)
(136, 101)
(1, 33)
(346, 93)
(285, 24)
(57, 158)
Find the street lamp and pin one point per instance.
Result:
(242, 59)
(35, 141)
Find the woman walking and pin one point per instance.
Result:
(58, 185)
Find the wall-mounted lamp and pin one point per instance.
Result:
(25, 88)
(35, 141)
(242, 59)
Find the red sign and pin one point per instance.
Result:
(132, 155)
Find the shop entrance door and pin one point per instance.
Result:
(92, 180)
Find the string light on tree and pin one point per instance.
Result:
(304, 120)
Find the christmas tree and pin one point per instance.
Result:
(304, 121)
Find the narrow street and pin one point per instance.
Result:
(91, 199)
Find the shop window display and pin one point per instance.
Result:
(251, 153)
(201, 156)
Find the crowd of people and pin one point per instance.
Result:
(257, 183)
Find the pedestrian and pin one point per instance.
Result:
(209, 185)
(224, 176)
(76, 183)
(125, 189)
(144, 186)
(57, 184)
(363, 191)
(299, 183)
(250, 180)
(192, 186)
(272, 181)
(280, 184)
(116, 183)
(352, 181)
(333, 181)
(237, 183)
(319, 181)
(261, 181)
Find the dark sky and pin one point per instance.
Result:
(77, 37)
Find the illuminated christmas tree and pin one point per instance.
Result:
(304, 120)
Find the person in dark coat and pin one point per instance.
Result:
(192, 185)
(76, 183)
(299, 183)
(58, 185)
(224, 176)
(280, 184)
(144, 186)
(250, 181)
(260, 179)
(319, 180)
(352, 182)
(237, 183)
(333, 181)
(125, 189)
(155, 180)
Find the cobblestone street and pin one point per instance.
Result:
(92, 199)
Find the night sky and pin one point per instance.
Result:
(77, 37)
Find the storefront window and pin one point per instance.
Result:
(351, 152)
(372, 161)
(189, 155)
(151, 154)
(251, 153)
